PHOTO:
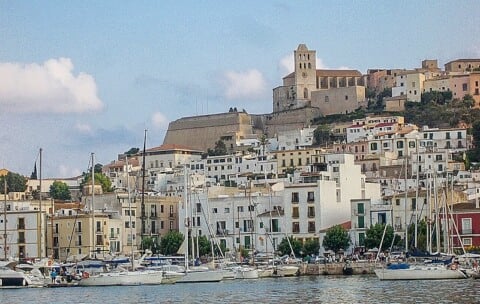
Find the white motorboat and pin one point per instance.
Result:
(147, 277)
(243, 272)
(265, 271)
(285, 270)
(196, 274)
(420, 272)
(12, 278)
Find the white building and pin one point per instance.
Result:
(25, 229)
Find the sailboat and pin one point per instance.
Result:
(121, 276)
(426, 271)
(195, 273)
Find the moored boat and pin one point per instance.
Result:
(420, 272)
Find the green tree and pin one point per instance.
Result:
(59, 190)
(284, 246)
(171, 242)
(151, 243)
(15, 183)
(204, 247)
(100, 179)
(220, 149)
(263, 142)
(373, 237)
(322, 135)
(132, 151)
(336, 238)
(311, 246)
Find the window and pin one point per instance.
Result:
(215, 210)
(414, 204)
(464, 87)
(240, 209)
(361, 208)
(311, 226)
(310, 196)
(295, 213)
(400, 144)
(296, 227)
(373, 146)
(326, 99)
(311, 211)
(467, 241)
(397, 202)
(346, 97)
(295, 197)
(361, 221)
(466, 226)
(227, 210)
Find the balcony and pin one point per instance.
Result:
(273, 230)
(397, 227)
(222, 232)
(21, 226)
(171, 214)
(153, 215)
(21, 240)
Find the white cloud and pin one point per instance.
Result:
(47, 87)
(286, 64)
(248, 84)
(159, 120)
(84, 128)
(65, 171)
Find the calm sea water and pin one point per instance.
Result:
(306, 289)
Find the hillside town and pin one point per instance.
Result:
(247, 182)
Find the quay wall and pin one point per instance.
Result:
(336, 268)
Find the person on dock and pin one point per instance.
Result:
(53, 275)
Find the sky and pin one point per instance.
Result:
(82, 77)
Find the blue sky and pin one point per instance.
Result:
(89, 76)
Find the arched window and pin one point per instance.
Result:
(304, 65)
(305, 93)
(300, 65)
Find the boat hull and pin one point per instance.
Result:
(123, 278)
(420, 273)
(202, 276)
(286, 270)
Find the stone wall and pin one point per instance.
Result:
(201, 132)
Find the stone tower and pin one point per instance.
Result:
(305, 73)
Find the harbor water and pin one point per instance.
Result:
(304, 289)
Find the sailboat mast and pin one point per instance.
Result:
(129, 210)
(93, 206)
(143, 185)
(40, 210)
(406, 198)
(5, 217)
(187, 220)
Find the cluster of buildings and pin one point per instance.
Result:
(274, 181)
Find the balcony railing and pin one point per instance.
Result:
(21, 226)
(21, 240)
(221, 232)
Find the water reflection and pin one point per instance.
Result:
(313, 289)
